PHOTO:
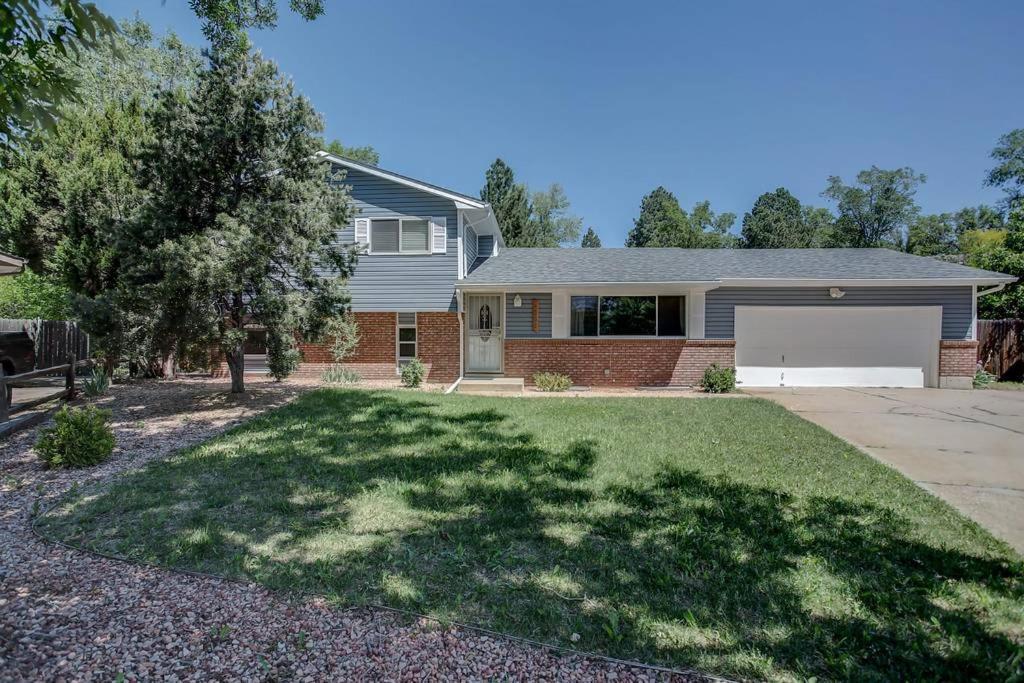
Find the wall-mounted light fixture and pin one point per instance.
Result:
(836, 293)
(517, 301)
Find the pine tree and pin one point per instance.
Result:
(509, 201)
(591, 240)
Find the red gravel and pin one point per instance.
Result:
(68, 615)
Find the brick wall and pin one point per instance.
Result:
(437, 345)
(619, 362)
(957, 358)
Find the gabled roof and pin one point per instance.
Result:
(737, 267)
(459, 198)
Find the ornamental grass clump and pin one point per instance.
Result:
(552, 381)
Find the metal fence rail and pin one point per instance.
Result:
(1001, 347)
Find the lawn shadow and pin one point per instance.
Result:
(463, 513)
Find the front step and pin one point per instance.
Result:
(491, 385)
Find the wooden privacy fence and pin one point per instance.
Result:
(55, 340)
(1001, 347)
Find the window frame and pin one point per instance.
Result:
(399, 326)
(657, 309)
(401, 219)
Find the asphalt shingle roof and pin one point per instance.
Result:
(625, 265)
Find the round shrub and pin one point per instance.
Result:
(552, 381)
(718, 380)
(79, 437)
(413, 373)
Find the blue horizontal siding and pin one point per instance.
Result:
(469, 247)
(720, 304)
(394, 282)
(485, 245)
(519, 321)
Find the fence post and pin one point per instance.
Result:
(69, 377)
(5, 406)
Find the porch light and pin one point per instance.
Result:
(836, 293)
(517, 301)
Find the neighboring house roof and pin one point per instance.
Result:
(575, 266)
(11, 265)
(458, 197)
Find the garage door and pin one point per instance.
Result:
(839, 346)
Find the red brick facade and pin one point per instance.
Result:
(619, 362)
(957, 359)
(437, 345)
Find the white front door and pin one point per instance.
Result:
(838, 346)
(484, 339)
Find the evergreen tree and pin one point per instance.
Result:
(776, 221)
(591, 240)
(663, 223)
(509, 201)
(240, 220)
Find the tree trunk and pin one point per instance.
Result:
(236, 365)
(167, 365)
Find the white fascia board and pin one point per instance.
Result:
(461, 201)
(861, 282)
(608, 287)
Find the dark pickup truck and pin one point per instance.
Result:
(17, 355)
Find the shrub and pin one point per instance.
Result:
(339, 375)
(97, 383)
(552, 381)
(282, 356)
(344, 334)
(982, 378)
(718, 380)
(79, 437)
(413, 373)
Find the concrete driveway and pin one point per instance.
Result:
(967, 447)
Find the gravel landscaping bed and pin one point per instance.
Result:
(70, 615)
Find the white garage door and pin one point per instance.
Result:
(839, 346)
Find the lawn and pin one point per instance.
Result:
(724, 534)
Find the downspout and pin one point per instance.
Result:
(974, 308)
(462, 342)
(991, 290)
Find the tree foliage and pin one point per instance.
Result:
(550, 223)
(240, 219)
(779, 221)
(876, 211)
(39, 41)
(1007, 257)
(225, 22)
(1008, 174)
(31, 295)
(664, 223)
(510, 202)
(591, 240)
(364, 155)
(932, 235)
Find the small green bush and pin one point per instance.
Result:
(552, 381)
(336, 374)
(283, 357)
(79, 437)
(97, 383)
(413, 373)
(718, 380)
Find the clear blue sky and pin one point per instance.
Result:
(721, 101)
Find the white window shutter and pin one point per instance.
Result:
(439, 231)
(363, 234)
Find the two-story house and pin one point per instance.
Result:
(435, 281)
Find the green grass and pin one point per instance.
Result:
(722, 534)
(1007, 386)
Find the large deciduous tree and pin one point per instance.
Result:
(510, 202)
(225, 22)
(591, 240)
(878, 210)
(365, 154)
(238, 230)
(1008, 174)
(779, 221)
(663, 223)
(932, 235)
(550, 223)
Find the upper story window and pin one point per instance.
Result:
(627, 316)
(399, 236)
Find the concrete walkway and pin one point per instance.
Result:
(967, 447)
